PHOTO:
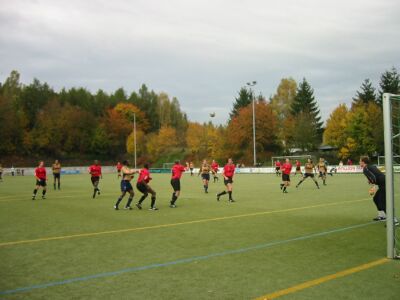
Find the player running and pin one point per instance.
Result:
(95, 175)
(228, 172)
(191, 167)
(309, 169)
(126, 186)
(1, 172)
(41, 178)
(119, 167)
(143, 186)
(286, 170)
(205, 174)
(214, 170)
(322, 168)
(376, 177)
(298, 168)
(177, 171)
(56, 168)
(278, 168)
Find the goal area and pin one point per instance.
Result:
(301, 158)
(391, 122)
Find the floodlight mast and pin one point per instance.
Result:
(251, 84)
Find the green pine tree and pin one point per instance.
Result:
(367, 93)
(244, 99)
(304, 102)
(390, 83)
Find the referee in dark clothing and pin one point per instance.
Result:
(376, 177)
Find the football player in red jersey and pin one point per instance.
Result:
(298, 168)
(95, 175)
(41, 178)
(177, 171)
(119, 167)
(286, 169)
(277, 168)
(143, 186)
(214, 170)
(228, 172)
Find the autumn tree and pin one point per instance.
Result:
(335, 131)
(162, 143)
(281, 104)
(239, 132)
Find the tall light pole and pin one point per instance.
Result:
(134, 134)
(251, 84)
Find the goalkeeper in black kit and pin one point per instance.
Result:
(377, 178)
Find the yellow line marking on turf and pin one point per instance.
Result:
(318, 281)
(173, 224)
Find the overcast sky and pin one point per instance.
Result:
(202, 52)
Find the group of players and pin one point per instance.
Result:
(309, 172)
(374, 175)
(127, 174)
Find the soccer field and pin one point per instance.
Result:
(291, 246)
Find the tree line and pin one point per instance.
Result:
(38, 121)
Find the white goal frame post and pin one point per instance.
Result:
(389, 136)
(381, 160)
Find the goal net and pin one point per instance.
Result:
(391, 122)
(301, 158)
(168, 165)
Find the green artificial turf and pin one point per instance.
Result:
(264, 242)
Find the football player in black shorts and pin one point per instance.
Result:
(126, 186)
(205, 174)
(143, 186)
(308, 172)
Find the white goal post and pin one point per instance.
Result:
(391, 124)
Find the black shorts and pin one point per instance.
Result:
(142, 187)
(95, 179)
(297, 168)
(277, 169)
(56, 175)
(126, 186)
(205, 177)
(285, 177)
(215, 171)
(41, 182)
(308, 175)
(176, 184)
(229, 180)
(322, 174)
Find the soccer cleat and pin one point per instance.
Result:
(116, 207)
(218, 197)
(128, 207)
(153, 208)
(98, 192)
(43, 197)
(379, 218)
(172, 206)
(138, 205)
(231, 200)
(285, 192)
(33, 197)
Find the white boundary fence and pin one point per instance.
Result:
(268, 170)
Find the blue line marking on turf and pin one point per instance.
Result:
(179, 261)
